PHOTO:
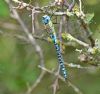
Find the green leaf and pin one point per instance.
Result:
(4, 10)
(89, 17)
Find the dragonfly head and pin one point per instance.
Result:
(45, 19)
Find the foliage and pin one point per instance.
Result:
(4, 11)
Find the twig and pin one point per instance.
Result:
(32, 41)
(55, 85)
(30, 37)
(60, 32)
(81, 42)
(72, 65)
(22, 5)
(76, 89)
(70, 37)
(40, 9)
(80, 17)
(80, 6)
(33, 20)
(31, 88)
(88, 32)
(71, 6)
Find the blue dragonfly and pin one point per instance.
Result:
(50, 27)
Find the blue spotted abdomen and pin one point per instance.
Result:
(60, 58)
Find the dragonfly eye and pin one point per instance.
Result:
(45, 19)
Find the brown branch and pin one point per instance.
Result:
(40, 9)
(33, 20)
(55, 85)
(26, 31)
(60, 32)
(88, 32)
(31, 88)
(76, 89)
(32, 41)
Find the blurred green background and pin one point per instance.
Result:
(18, 60)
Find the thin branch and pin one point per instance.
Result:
(22, 4)
(72, 65)
(30, 37)
(88, 32)
(80, 16)
(60, 32)
(31, 88)
(71, 6)
(32, 41)
(80, 6)
(55, 85)
(71, 38)
(33, 20)
(39, 9)
(76, 89)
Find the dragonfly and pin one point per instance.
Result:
(51, 30)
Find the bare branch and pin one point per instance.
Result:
(55, 85)
(30, 37)
(32, 41)
(33, 20)
(31, 88)
(76, 89)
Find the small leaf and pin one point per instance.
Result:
(88, 18)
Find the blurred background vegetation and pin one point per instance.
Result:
(18, 60)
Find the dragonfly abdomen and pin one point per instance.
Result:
(60, 58)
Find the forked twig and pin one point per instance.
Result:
(32, 41)
(76, 89)
(29, 35)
